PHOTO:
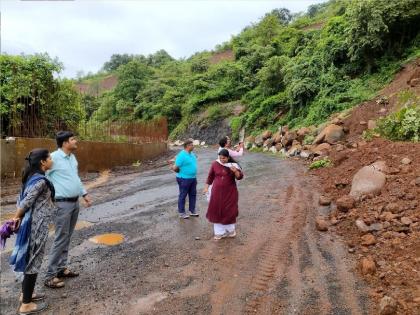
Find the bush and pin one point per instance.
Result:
(403, 125)
(320, 164)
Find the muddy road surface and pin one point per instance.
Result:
(277, 264)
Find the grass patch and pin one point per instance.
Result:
(320, 164)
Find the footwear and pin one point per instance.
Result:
(35, 297)
(184, 216)
(39, 308)
(67, 273)
(219, 237)
(194, 214)
(232, 234)
(54, 283)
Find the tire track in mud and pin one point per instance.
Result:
(300, 271)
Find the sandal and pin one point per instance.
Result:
(35, 297)
(68, 274)
(39, 308)
(54, 283)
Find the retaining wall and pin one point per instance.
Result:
(92, 156)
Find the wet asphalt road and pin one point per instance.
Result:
(278, 264)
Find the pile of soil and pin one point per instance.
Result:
(394, 245)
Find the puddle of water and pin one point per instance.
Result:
(145, 303)
(108, 239)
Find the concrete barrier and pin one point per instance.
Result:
(92, 156)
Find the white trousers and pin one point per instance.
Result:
(220, 229)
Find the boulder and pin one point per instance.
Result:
(321, 224)
(284, 129)
(387, 306)
(196, 142)
(322, 148)
(178, 143)
(331, 134)
(295, 149)
(268, 143)
(302, 132)
(345, 203)
(380, 166)
(305, 154)
(203, 143)
(367, 266)
(277, 137)
(368, 180)
(259, 141)
(266, 134)
(288, 138)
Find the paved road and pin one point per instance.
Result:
(278, 264)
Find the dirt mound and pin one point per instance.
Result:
(388, 225)
(386, 102)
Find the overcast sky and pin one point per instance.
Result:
(83, 34)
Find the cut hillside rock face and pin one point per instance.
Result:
(210, 133)
(331, 134)
(368, 180)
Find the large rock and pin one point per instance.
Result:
(196, 142)
(266, 134)
(302, 132)
(288, 138)
(268, 143)
(259, 141)
(295, 149)
(277, 137)
(322, 149)
(387, 306)
(368, 180)
(331, 134)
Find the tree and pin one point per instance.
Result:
(116, 61)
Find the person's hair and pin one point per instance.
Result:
(187, 143)
(225, 152)
(223, 142)
(33, 163)
(63, 136)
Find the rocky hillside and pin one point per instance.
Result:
(371, 186)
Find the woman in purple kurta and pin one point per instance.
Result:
(223, 204)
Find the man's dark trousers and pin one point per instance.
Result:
(187, 186)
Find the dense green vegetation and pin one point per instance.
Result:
(286, 69)
(32, 97)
